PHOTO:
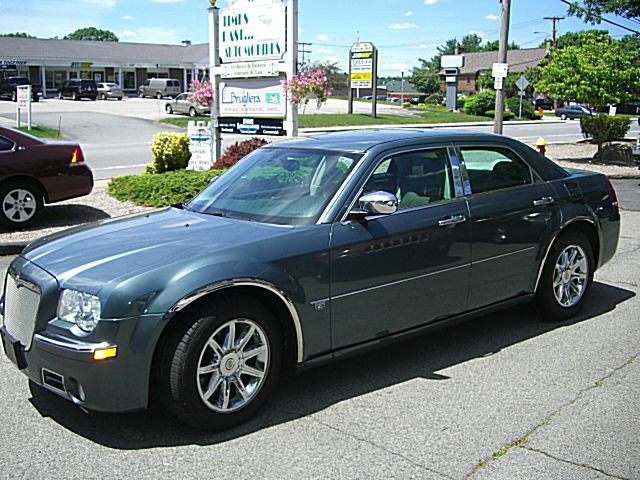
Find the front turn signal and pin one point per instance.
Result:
(105, 353)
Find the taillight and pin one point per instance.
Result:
(614, 197)
(77, 157)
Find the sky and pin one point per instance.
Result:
(402, 30)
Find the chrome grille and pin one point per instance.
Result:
(21, 301)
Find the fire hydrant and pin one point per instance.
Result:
(541, 145)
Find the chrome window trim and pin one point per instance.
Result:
(412, 149)
(248, 282)
(535, 177)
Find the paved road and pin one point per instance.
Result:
(116, 136)
(504, 396)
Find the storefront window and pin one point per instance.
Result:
(73, 75)
(129, 80)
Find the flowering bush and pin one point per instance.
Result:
(236, 152)
(201, 92)
(309, 83)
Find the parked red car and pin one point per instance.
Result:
(34, 172)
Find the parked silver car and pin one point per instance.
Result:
(109, 90)
(182, 104)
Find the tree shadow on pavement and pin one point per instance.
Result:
(315, 390)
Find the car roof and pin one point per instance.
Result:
(362, 140)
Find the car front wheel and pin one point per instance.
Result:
(192, 112)
(567, 276)
(221, 366)
(563, 116)
(21, 205)
(168, 109)
(60, 95)
(159, 96)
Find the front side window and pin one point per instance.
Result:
(182, 96)
(288, 186)
(491, 168)
(5, 144)
(416, 178)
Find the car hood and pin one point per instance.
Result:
(93, 255)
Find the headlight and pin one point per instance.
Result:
(79, 308)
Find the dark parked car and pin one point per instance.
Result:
(78, 89)
(573, 112)
(34, 172)
(546, 103)
(302, 253)
(9, 85)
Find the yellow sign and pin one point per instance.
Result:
(361, 76)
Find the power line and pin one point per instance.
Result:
(600, 17)
(555, 20)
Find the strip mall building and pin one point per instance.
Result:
(51, 62)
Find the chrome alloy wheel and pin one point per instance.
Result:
(233, 365)
(570, 275)
(19, 205)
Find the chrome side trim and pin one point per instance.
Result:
(74, 347)
(249, 283)
(522, 250)
(389, 284)
(553, 240)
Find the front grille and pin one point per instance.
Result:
(21, 301)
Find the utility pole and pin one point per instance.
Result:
(502, 58)
(303, 51)
(554, 43)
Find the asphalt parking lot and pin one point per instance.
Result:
(503, 396)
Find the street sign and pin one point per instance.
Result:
(499, 70)
(199, 145)
(23, 95)
(522, 83)
(497, 84)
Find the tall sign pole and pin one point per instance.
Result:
(502, 58)
(214, 77)
(363, 72)
(292, 63)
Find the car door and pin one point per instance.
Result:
(181, 104)
(396, 272)
(511, 211)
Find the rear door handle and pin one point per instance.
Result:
(543, 201)
(452, 220)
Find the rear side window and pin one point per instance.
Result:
(5, 144)
(492, 168)
(174, 83)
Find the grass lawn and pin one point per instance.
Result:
(345, 120)
(40, 132)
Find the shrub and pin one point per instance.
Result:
(160, 189)
(604, 128)
(528, 110)
(462, 101)
(434, 99)
(506, 115)
(236, 152)
(406, 104)
(170, 152)
(480, 103)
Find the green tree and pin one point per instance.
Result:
(572, 39)
(92, 33)
(17, 35)
(425, 77)
(597, 71)
(494, 45)
(592, 10)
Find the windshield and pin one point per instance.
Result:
(278, 185)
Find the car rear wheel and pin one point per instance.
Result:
(168, 109)
(192, 112)
(60, 95)
(21, 204)
(140, 95)
(74, 96)
(219, 368)
(14, 97)
(567, 276)
(159, 96)
(563, 116)
(103, 96)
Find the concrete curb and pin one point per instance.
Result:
(12, 248)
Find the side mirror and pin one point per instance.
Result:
(377, 203)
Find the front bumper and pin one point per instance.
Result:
(118, 384)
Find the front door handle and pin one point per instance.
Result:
(543, 201)
(452, 220)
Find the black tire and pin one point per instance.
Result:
(93, 99)
(60, 95)
(140, 94)
(159, 96)
(103, 96)
(545, 296)
(7, 197)
(14, 97)
(180, 354)
(74, 96)
(192, 112)
(168, 109)
(563, 116)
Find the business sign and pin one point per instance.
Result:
(253, 97)
(24, 96)
(452, 61)
(249, 69)
(361, 65)
(199, 145)
(253, 30)
(81, 64)
(252, 126)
